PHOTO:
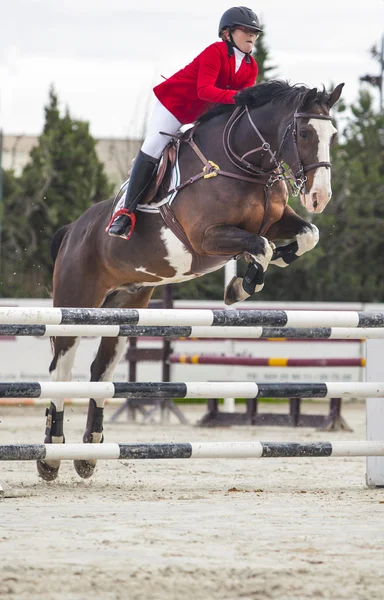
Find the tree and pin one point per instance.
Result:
(9, 248)
(62, 179)
(377, 80)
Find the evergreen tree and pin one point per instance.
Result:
(63, 178)
(9, 246)
(377, 80)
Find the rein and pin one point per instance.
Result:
(259, 175)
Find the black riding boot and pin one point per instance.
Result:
(141, 175)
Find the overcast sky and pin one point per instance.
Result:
(104, 56)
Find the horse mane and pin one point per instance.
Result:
(274, 91)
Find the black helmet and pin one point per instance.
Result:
(239, 15)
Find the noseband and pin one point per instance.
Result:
(294, 176)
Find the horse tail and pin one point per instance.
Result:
(57, 239)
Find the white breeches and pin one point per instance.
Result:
(161, 120)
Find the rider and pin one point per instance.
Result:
(213, 77)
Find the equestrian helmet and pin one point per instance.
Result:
(239, 15)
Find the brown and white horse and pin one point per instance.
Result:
(236, 206)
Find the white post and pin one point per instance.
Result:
(230, 270)
(375, 412)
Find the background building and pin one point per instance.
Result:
(115, 154)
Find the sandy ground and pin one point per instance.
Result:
(192, 529)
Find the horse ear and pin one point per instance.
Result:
(335, 95)
(308, 100)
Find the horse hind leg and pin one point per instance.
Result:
(109, 354)
(103, 367)
(60, 370)
(74, 284)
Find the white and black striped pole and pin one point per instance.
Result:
(185, 317)
(316, 333)
(230, 271)
(203, 450)
(374, 412)
(195, 389)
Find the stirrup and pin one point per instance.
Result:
(132, 217)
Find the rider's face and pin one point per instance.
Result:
(244, 39)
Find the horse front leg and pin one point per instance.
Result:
(292, 226)
(230, 240)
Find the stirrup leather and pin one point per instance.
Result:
(132, 217)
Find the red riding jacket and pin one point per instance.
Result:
(209, 79)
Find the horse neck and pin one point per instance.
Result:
(209, 137)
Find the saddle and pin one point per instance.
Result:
(160, 183)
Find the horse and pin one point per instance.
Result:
(231, 200)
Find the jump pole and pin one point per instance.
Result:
(185, 317)
(179, 331)
(154, 451)
(375, 413)
(230, 271)
(204, 389)
(67, 402)
(250, 361)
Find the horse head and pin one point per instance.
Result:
(305, 146)
(294, 127)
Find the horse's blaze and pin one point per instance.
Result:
(320, 192)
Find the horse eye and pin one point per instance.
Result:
(304, 134)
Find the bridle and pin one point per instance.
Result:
(294, 176)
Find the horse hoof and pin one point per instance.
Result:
(230, 296)
(84, 468)
(234, 291)
(46, 471)
(229, 299)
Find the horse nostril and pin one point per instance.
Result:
(314, 204)
(315, 201)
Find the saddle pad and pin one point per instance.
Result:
(153, 207)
